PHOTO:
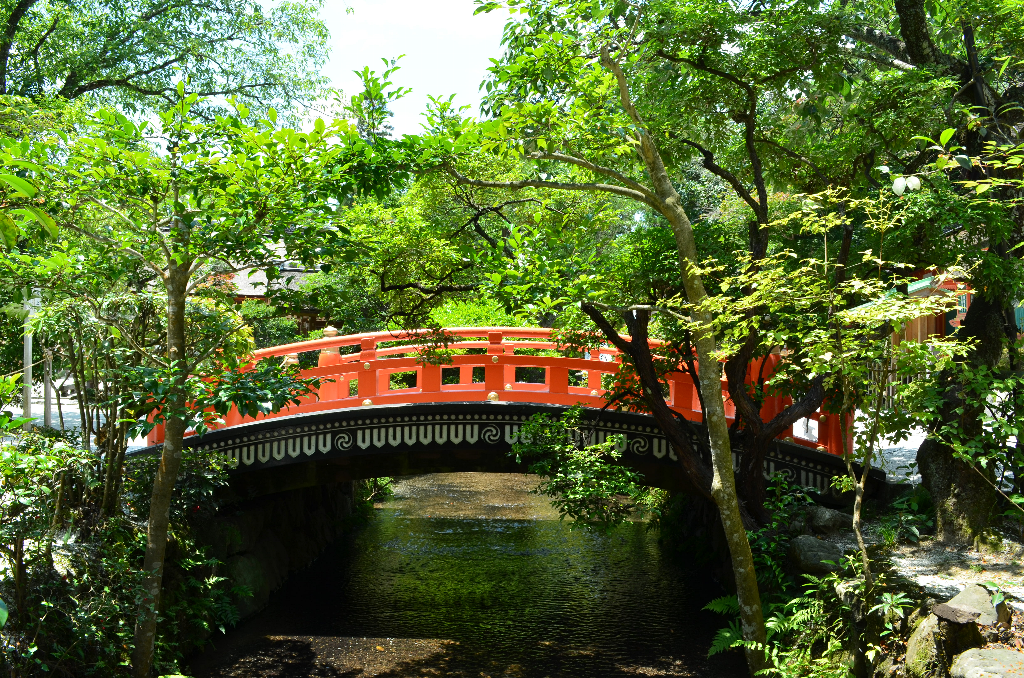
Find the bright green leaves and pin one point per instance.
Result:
(587, 482)
(24, 207)
(9, 231)
(988, 428)
(23, 188)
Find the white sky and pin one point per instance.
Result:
(446, 48)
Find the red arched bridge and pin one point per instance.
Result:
(383, 410)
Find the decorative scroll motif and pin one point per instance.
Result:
(365, 438)
(418, 435)
(491, 434)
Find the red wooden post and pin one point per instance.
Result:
(764, 370)
(558, 379)
(683, 392)
(834, 442)
(430, 379)
(593, 376)
(329, 356)
(368, 375)
(330, 390)
(493, 372)
(509, 376)
(826, 424)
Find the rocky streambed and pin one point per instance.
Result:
(967, 617)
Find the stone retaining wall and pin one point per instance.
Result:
(262, 541)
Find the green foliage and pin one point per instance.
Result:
(269, 328)
(991, 440)
(75, 608)
(806, 632)
(892, 608)
(770, 543)
(483, 312)
(587, 482)
(907, 518)
(133, 54)
(374, 489)
(10, 390)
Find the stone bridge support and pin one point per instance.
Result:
(263, 540)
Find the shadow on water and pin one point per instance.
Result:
(470, 575)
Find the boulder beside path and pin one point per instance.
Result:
(808, 554)
(993, 663)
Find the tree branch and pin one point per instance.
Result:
(797, 156)
(597, 169)
(719, 171)
(701, 66)
(121, 248)
(558, 185)
(427, 290)
(620, 78)
(7, 38)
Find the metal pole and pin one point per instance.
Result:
(31, 305)
(26, 379)
(47, 388)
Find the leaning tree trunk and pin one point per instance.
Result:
(166, 475)
(723, 484)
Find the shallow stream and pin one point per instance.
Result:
(470, 574)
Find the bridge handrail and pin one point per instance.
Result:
(402, 335)
(515, 334)
(364, 377)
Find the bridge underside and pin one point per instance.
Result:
(285, 453)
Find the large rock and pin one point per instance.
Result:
(808, 554)
(973, 604)
(935, 642)
(825, 520)
(989, 664)
(848, 591)
(924, 657)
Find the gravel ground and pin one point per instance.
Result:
(72, 418)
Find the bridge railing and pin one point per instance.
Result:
(488, 363)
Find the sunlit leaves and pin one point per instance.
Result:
(586, 480)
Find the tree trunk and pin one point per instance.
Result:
(166, 475)
(963, 497)
(723, 484)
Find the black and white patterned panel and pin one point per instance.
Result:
(385, 434)
(807, 470)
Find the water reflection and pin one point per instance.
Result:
(471, 575)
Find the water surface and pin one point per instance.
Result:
(470, 574)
